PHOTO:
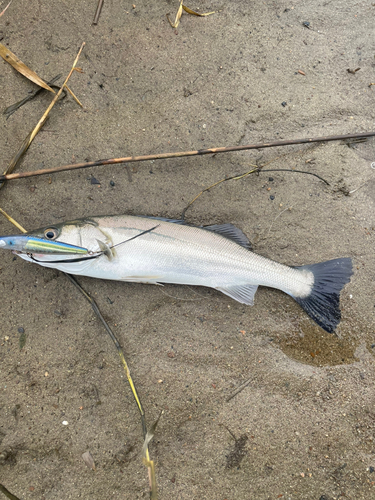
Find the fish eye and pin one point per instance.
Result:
(51, 233)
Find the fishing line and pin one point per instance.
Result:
(136, 236)
(64, 261)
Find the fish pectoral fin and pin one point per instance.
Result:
(105, 249)
(241, 293)
(231, 232)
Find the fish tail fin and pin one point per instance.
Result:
(323, 302)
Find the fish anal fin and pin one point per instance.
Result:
(241, 293)
(231, 232)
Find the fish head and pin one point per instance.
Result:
(83, 234)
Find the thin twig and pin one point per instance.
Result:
(277, 216)
(163, 156)
(235, 177)
(10, 219)
(150, 463)
(45, 115)
(98, 11)
(74, 96)
(254, 170)
(239, 389)
(354, 190)
(298, 172)
(1, 13)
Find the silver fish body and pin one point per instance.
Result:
(151, 250)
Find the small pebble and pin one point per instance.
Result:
(272, 197)
(6, 338)
(283, 104)
(112, 183)
(270, 179)
(57, 312)
(371, 469)
(65, 422)
(21, 330)
(46, 374)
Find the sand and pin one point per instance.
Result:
(303, 427)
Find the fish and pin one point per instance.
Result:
(157, 250)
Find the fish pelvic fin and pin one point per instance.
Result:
(241, 293)
(323, 302)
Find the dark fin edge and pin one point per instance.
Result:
(323, 303)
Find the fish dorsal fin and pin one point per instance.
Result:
(241, 293)
(231, 232)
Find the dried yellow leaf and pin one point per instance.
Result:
(193, 13)
(178, 17)
(189, 11)
(18, 65)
